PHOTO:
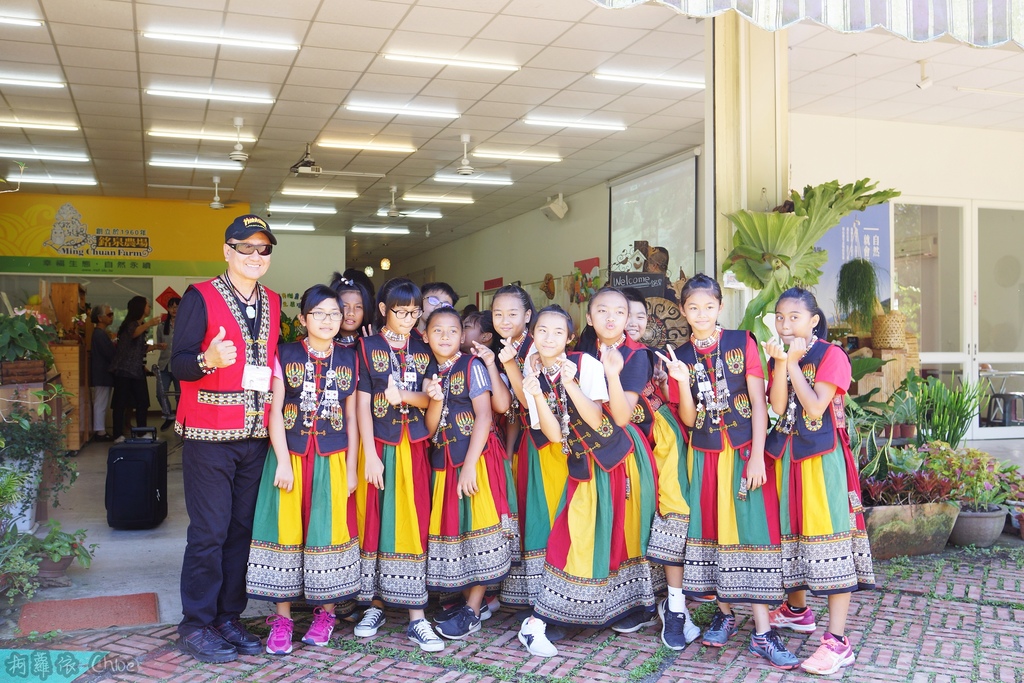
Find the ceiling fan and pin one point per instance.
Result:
(465, 168)
(217, 203)
(238, 153)
(308, 168)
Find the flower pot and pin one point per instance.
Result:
(909, 529)
(48, 569)
(23, 512)
(22, 371)
(1020, 524)
(980, 529)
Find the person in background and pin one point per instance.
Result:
(165, 378)
(435, 294)
(101, 380)
(131, 391)
(225, 344)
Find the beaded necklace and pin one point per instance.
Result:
(713, 388)
(788, 421)
(392, 336)
(513, 409)
(398, 367)
(309, 404)
(443, 371)
(558, 402)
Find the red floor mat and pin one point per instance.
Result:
(102, 612)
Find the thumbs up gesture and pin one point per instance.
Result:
(221, 352)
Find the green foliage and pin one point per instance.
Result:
(943, 414)
(865, 366)
(775, 251)
(15, 564)
(856, 293)
(25, 337)
(59, 543)
(28, 442)
(976, 475)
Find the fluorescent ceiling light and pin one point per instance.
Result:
(477, 180)
(17, 21)
(220, 40)
(158, 186)
(213, 166)
(424, 214)
(431, 199)
(451, 62)
(380, 229)
(984, 91)
(573, 124)
(517, 157)
(42, 156)
(302, 209)
(399, 111)
(30, 83)
(369, 146)
(652, 81)
(39, 126)
(198, 136)
(210, 96)
(47, 180)
(293, 228)
(340, 194)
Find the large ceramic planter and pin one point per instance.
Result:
(23, 513)
(980, 529)
(895, 530)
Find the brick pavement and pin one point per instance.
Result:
(924, 625)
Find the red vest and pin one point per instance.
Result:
(215, 407)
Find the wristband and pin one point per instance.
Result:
(207, 369)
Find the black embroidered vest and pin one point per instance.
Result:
(329, 433)
(453, 442)
(375, 366)
(705, 435)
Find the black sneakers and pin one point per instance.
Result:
(207, 645)
(245, 643)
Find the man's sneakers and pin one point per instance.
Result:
(784, 617)
(633, 622)
(236, 634)
(373, 619)
(770, 647)
(279, 642)
(677, 629)
(421, 633)
(721, 629)
(463, 622)
(454, 608)
(831, 656)
(532, 636)
(206, 645)
(320, 630)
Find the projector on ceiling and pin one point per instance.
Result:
(555, 209)
(309, 170)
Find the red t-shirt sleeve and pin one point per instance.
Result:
(835, 369)
(753, 358)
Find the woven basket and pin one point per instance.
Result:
(889, 331)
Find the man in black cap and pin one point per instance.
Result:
(225, 344)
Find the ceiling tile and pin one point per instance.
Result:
(363, 13)
(114, 15)
(446, 21)
(349, 37)
(93, 36)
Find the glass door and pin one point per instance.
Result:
(998, 320)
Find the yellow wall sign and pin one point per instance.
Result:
(110, 235)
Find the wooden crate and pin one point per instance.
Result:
(22, 371)
(69, 359)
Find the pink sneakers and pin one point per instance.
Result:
(279, 642)
(320, 630)
(784, 617)
(830, 657)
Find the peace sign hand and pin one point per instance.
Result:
(676, 369)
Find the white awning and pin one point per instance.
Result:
(982, 23)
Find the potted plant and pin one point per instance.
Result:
(58, 549)
(17, 570)
(979, 488)
(908, 510)
(857, 294)
(943, 414)
(25, 347)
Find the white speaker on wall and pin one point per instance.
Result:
(555, 209)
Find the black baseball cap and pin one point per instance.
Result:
(247, 226)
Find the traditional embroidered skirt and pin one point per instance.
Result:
(467, 545)
(824, 543)
(672, 520)
(499, 473)
(541, 477)
(734, 549)
(393, 526)
(594, 572)
(304, 543)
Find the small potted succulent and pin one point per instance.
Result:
(58, 549)
(979, 486)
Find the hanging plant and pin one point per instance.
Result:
(857, 292)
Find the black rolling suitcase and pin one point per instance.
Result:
(136, 494)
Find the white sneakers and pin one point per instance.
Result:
(532, 634)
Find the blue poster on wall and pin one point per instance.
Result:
(862, 234)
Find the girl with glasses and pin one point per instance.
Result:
(393, 491)
(304, 543)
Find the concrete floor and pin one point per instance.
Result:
(150, 561)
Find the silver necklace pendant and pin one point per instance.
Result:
(250, 311)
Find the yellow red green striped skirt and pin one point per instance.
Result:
(466, 544)
(393, 526)
(304, 543)
(824, 542)
(595, 572)
(672, 520)
(734, 548)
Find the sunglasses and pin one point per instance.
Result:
(248, 249)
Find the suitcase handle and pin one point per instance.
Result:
(138, 432)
